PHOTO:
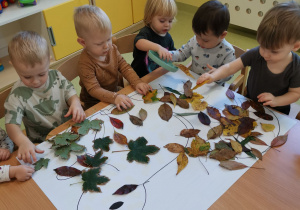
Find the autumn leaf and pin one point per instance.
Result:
(222, 145)
(223, 154)
(135, 120)
(173, 99)
(246, 125)
(199, 105)
(264, 116)
(43, 162)
(236, 146)
(116, 205)
(186, 113)
(125, 189)
(91, 179)
(267, 127)
(194, 97)
(230, 130)
(257, 153)
(215, 132)
(116, 122)
(165, 112)
(225, 121)
(139, 150)
(185, 70)
(182, 161)
(102, 143)
(230, 116)
(230, 94)
(258, 141)
(119, 138)
(83, 127)
(204, 119)
(95, 161)
(64, 151)
(213, 113)
(188, 133)
(245, 105)
(183, 103)
(278, 141)
(172, 90)
(199, 147)
(150, 97)
(81, 160)
(65, 138)
(199, 85)
(187, 89)
(67, 171)
(232, 110)
(257, 106)
(143, 114)
(232, 165)
(174, 147)
(166, 98)
(116, 111)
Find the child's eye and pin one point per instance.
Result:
(42, 74)
(27, 77)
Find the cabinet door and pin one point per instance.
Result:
(60, 24)
(138, 10)
(118, 11)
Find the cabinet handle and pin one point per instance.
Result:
(51, 36)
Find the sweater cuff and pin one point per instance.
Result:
(4, 173)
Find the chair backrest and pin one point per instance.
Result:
(241, 81)
(69, 68)
(125, 43)
(3, 96)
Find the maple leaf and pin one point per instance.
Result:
(62, 139)
(139, 150)
(64, 151)
(102, 143)
(41, 163)
(116, 111)
(150, 96)
(95, 161)
(165, 112)
(182, 161)
(125, 189)
(83, 127)
(91, 179)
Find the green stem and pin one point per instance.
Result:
(121, 151)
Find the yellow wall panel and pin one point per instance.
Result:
(118, 11)
(138, 10)
(195, 3)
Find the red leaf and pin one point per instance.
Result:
(120, 138)
(246, 105)
(278, 141)
(125, 189)
(230, 94)
(204, 119)
(189, 132)
(81, 160)
(116, 122)
(67, 171)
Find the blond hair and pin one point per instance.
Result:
(89, 18)
(159, 7)
(280, 26)
(28, 47)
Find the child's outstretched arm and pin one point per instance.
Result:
(146, 45)
(26, 148)
(78, 115)
(222, 72)
(291, 96)
(123, 102)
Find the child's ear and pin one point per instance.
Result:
(296, 46)
(222, 36)
(81, 41)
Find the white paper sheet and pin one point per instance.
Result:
(192, 188)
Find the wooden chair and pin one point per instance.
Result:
(125, 43)
(3, 96)
(69, 68)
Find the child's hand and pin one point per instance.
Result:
(21, 173)
(26, 150)
(123, 101)
(143, 88)
(212, 69)
(4, 154)
(204, 77)
(267, 99)
(164, 53)
(78, 115)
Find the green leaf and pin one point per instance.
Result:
(41, 163)
(247, 139)
(64, 151)
(182, 96)
(139, 150)
(102, 143)
(186, 114)
(86, 125)
(95, 161)
(91, 179)
(62, 139)
(222, 145)
(172, 90)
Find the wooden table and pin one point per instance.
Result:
(276, 187)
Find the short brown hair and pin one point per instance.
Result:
(89, 18)
(159, 7)
(28, 47)
(280, 26)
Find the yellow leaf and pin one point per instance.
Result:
(230, 130)
(182, 161)
(185, 70)
(199, 85)
(237, 147)
(194, 97)
(199, 105)
(150, 97)
(267, 127)
(173, 99)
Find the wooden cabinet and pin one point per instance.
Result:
(138, 7)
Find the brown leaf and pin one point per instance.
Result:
(182, 103)
(223, 154)
(215, 132)
(213, 113)
(174, 147)
(246, 105)
(230, 130)
(230, 116)
(143, 114)
(257, 153)
(246, 125)
(257, 106)
(258, 141)
(165, 112)
(182, 161)
(116, 111)
(232, 165)
(225, 121)
(230, 94)
(165, 98)
(204, 119)
(116, 122)
(256, 133)
(199, 147)
(119, 138)
(185, 70)
(199, 105)
(188, 133)
(125, 189)
(173, 99)
(67, 171)
(135, 120)
(278, 141)
(187, 89)
(264, 115)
